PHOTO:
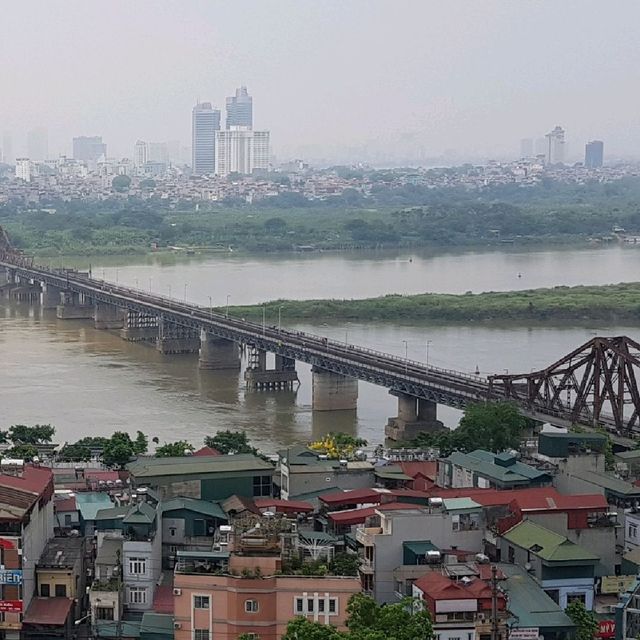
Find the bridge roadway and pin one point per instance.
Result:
(434, 384)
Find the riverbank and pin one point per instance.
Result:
(611, 303)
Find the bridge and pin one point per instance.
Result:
(596, 385)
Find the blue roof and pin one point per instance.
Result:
(89, 503)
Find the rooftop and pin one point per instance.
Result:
(616, 486)
(48, 611)
(190, 465)
(211, 509)
(61, 553)
(109, 552)
(89, 503)
(502, 468)
(19, 493)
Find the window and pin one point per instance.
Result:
(137, 595)
(137, 566)
(511, 554)
(261, 486)
(251, 606)
(45, 591)
(633, 530)
(201, 634)
(333, 605)
(104, 613)
(61, 591)
(200, 602)
(299, 605)
(67, 520)
(252, 636)
(310, 607)
(321, 606)
(172, 532)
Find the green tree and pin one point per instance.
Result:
(174, 449)
(344, 564)
(230, 442)
(80, 451)
(22, 451)
(141, 443)
(38, 434)
(304, 629)
(121, 183)
(118, 450)
(586, 621)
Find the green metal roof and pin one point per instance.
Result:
(633, 454)
(161, 623)
(141, 513)
(546, 544)
(460, 504)
(196, 465)
(211, 509)
(389, 474)
(614, 485)
(121, 629)
(485, 463)
(529, 604)
(419, 547)
(112, 514)
(90, 502)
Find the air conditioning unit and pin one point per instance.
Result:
(177, 625)
(177, 592)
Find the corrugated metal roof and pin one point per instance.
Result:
(212, 509)
(89, 503)
(158, 467)
(48, 611)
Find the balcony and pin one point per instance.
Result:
(366, 535)
(366, 566)
(114, 584)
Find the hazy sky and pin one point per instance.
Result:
(474, 76)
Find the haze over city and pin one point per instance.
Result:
(342, 81)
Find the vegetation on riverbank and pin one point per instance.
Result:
(607, 303)
(451, 217)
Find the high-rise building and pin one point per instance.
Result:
(7, 149)
(205, 121)
(140, 153)
(593, 154)
(241, 150)
(23, 169)
(38, 144)
(89, 149)
(240, 109)
(555, 146)
(526, 148)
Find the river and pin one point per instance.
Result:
(85, 381)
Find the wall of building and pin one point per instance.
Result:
(152, 553)
(307, 482)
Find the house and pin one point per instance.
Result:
(89, 503)
(565, 570)
(66, 512)
(106, 596)
(204, 477)
(26, 524)
(484, 469)
(48, 618)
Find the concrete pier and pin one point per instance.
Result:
(50, 296)
(176, 338)
(218, 354)
(108, 316)
(24, 293)
(415, 416)
(74, 307)
(282, 377)
(139, 327)
(333, 391)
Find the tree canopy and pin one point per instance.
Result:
(585, 620)
(230, 442)
(118, 450)
(174, 449)
(121, 183)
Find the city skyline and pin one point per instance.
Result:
(455, 77)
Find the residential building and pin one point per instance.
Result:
(565, 570)
(49, 618)
(240, 109)
(106, 597)
(140, 153)
(594, 154)
(241, 150)
(89, 503)
(26, 502)
(66, 513)
(556, 146)
(251, 589)
(23, 169)
(204, 477)
(484, 469)
(89, 149)
(205, 121)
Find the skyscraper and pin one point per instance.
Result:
(593, 154)
(38, 144)
(205, 121)
(241, 150)
(240, 109)
(555, 146)
(140, 153)
(89, 149)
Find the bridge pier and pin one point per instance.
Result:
(258, 377)
(333, 391)
(139, 327)
(176, 338)
(415, 416)
(50, 296)
(23, 292)
(218, 354)
(108, 316)
(74, 306)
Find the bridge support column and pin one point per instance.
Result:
(73, 306)
(50, 296)
(218, 354)
(139, 327)
(24, 292)
(333, 391)
(415, 415)
(108, 316)
(175, 338)
(257, 377)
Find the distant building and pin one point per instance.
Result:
(140, 153)
(38, 144)
(158, 152)
(593, 154)
(556, 146)
(89, 149)
(7, 149)
(241, 150)
(526, 148)
(205, 121)
(23, 169)
(240, 109)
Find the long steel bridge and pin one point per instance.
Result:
(594, 385)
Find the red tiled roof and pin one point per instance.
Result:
(102, 475)
(66, 504)
(51, 611)
(163, 599)
(358, 516)
(33, 480)
(295, 506)
(426, 468)
(354, 496)
(440, 587)
(207, 451)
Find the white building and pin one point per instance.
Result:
(241, 150)
(140, 153)
(556, 146)
(23, 169)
